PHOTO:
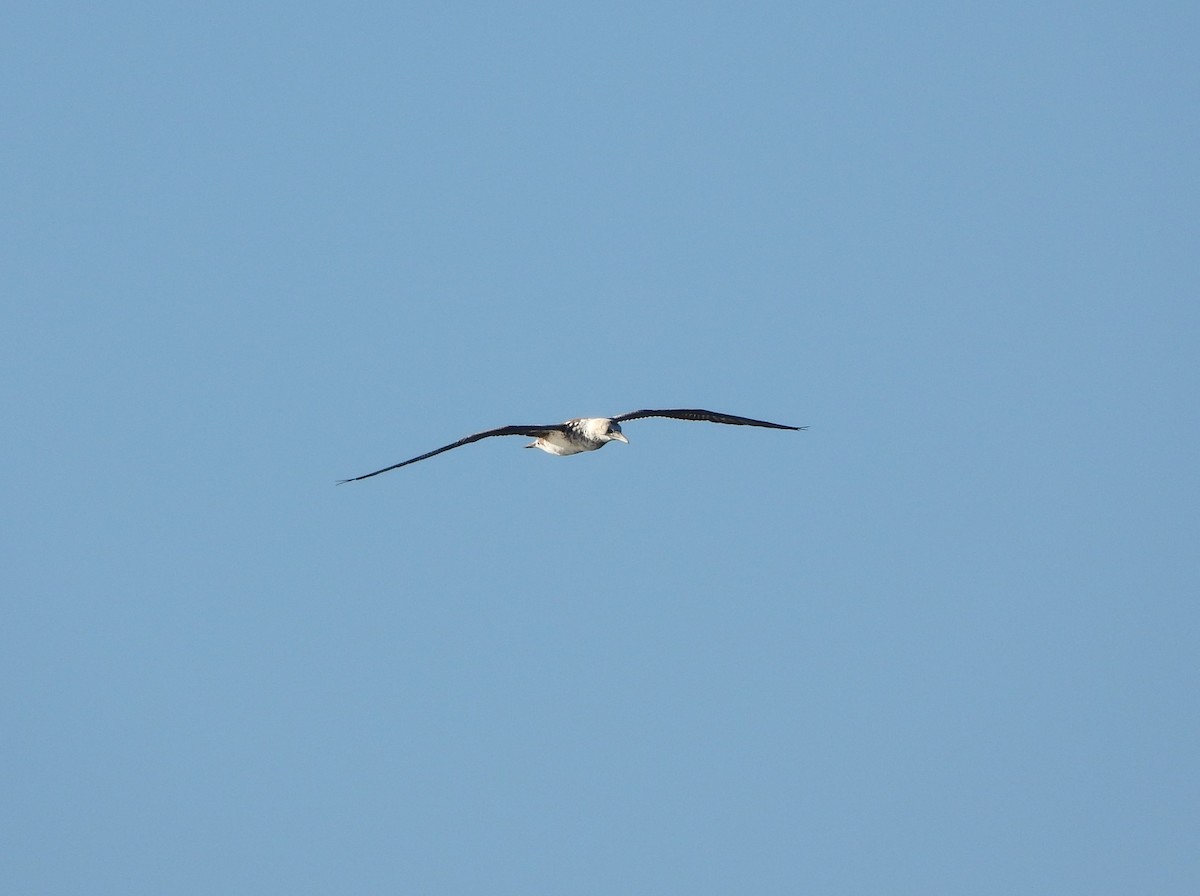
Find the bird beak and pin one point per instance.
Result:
(620, 437)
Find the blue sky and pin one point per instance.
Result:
(944, 641)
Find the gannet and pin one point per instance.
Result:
(581, 434)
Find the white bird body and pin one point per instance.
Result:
(582, 433)
(579, 435)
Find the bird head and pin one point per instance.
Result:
(613, 433)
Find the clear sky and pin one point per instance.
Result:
(945, 641)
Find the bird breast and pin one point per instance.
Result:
(563, 443)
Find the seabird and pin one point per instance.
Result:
(581, 434)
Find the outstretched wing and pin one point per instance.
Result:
(535, 431)
(709, 416)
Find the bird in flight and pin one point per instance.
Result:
(581, 434)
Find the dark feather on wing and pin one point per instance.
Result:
(536, 431)
(707, 416)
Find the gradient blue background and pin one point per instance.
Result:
(944, 642)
